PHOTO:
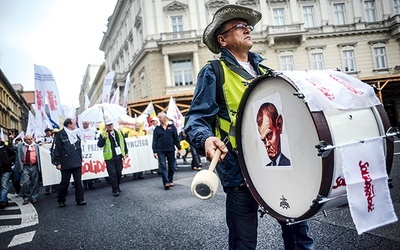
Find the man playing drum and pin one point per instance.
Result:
(212, 116)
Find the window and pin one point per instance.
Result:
(177, 23)
(279, 16)
(286, 60)
(380, 57)
(348, 58)
(309, 16)
(370, 11)
(396, 5)
(317, 60)
(182, 71)
(339, 11)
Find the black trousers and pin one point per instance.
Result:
(65, 178)
(114, 170)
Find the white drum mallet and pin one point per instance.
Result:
(205, 183)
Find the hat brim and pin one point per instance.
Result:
(224, 14)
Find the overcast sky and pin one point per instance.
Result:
(62, 35)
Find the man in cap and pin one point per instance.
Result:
(114, 151)
(214, 108)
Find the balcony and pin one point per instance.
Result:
(172, 37)
(286, 33)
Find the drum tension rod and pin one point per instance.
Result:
(322, 199)
(299, 95)
(324, 148)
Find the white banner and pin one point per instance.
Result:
(368, 194)
(324, 89)
(175, 114)
(44, 81)
(108, 81)
(93, 165)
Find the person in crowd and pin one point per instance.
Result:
(210, 119)
(114, 151)
(7, 158)
(28, 163)
(87, 133)
(48, 139)
(138, 131)
(270, 126)
(153, 124)
(67, 157)
(165, 139)
(48, 136)
(16, 175)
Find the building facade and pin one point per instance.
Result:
(13, 108)
(159, 43)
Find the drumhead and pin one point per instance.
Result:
(289, 189)
(284, 191)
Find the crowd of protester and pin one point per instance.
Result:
(21, 171)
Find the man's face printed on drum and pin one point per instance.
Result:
(270, 128)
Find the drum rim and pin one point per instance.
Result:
(389, 143)
(323, 133)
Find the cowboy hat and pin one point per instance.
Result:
(224, 14)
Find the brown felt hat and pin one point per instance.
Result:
(224, 14)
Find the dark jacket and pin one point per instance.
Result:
(64, 153)
(165, 140)
(200, 119)
(7, 157)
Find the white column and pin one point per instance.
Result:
(195, 64)
(167, 71)
(159, 16)
(294, 11)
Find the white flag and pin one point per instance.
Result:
(108, 81)
(115, 98)
(87, 101)
(364, 169)
(44, 80)
(174, 114)
(20, 136)
(2, 134)
(126, 91)
(32, 124)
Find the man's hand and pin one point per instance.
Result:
(211, 145)
(58, 167)
(155, 155)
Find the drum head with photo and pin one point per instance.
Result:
(276, 142)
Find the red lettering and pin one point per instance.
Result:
(368, 186)
(340, 181)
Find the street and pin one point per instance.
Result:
(145, 216)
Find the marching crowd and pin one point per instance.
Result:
(20, 163)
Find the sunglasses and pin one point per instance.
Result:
(239, 26)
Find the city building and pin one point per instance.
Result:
(159, 44)
(13, 107)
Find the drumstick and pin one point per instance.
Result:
(214, 160)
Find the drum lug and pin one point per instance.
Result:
(323, 148)
(322, 199)
(262, 211)
(299, 95)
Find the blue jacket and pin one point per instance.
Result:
(165, 140)
(201, 117)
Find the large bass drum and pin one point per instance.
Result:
(316, 108)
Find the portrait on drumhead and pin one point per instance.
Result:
(270, 128)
